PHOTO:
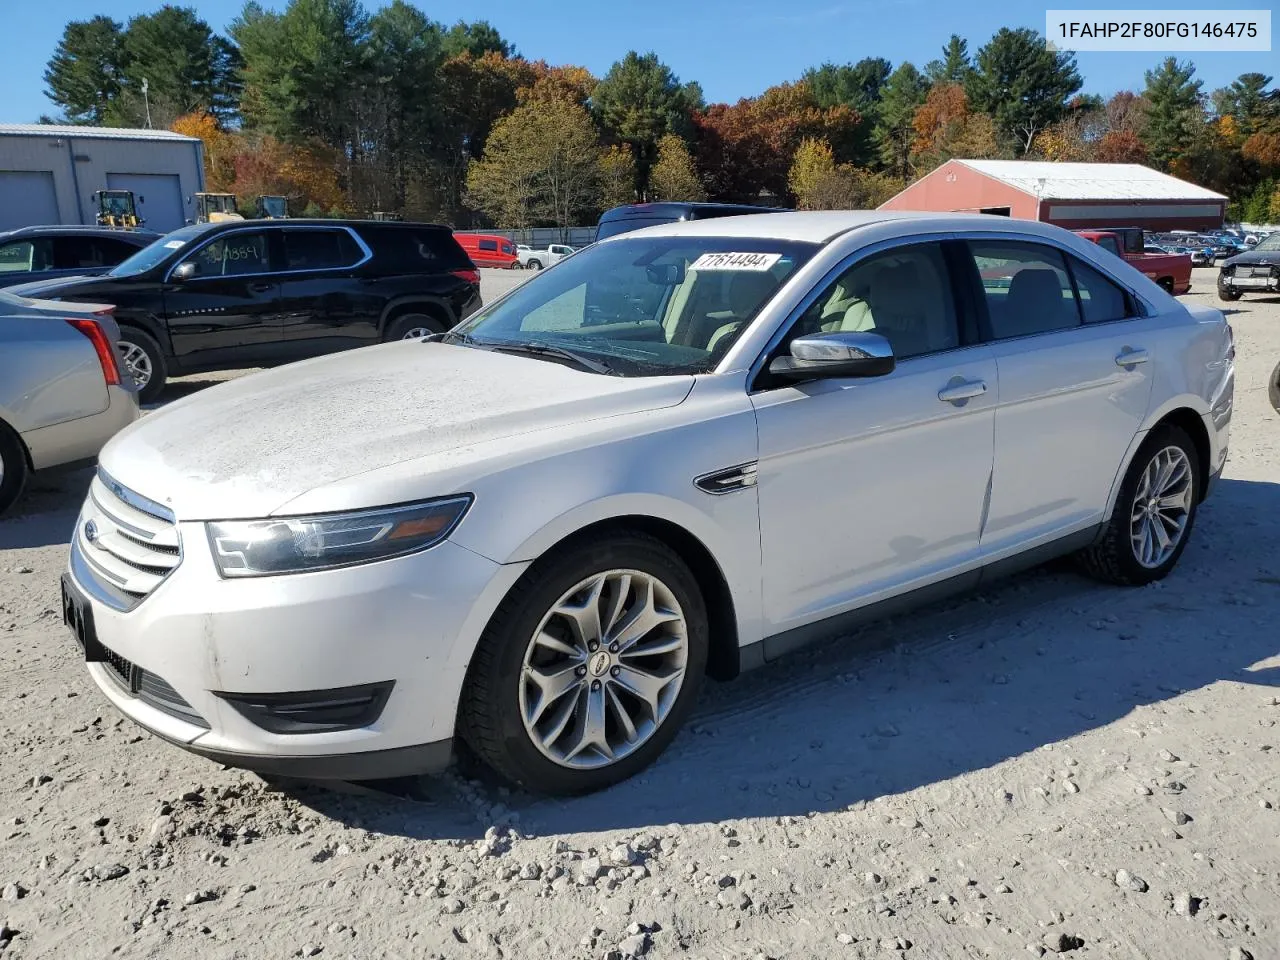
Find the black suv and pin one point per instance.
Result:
(221, 296)
(46, 253)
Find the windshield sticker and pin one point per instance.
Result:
(175, 244)
(736, 261)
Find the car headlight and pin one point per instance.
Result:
(259, 548)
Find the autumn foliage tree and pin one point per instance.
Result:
(673, 176)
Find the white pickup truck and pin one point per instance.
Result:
(530, 259)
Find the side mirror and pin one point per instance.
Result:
(183, 272)
(827, 355)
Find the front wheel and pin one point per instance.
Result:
(1227, 293)
(13, 467)
(588, 668)
(413, 326)
(1153, 515)
(144, 360)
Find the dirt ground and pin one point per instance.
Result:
(1051, 766)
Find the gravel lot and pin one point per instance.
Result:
(1049, 766)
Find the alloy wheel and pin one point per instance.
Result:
(1161, 507)
(417, 333)
(137, 362)
(604, 668)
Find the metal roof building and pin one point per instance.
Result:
(48, 174)
(1071, 195)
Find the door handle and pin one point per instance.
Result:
(260, 287)
(958, 391)
(1130, 356)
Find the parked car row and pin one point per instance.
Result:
(538, 531)
(228, 295)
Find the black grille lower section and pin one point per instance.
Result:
(150, 689)
(313, 711)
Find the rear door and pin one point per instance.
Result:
(324, 306)
(1075, 378)
(229, 309)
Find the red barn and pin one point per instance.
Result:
(1071, 195)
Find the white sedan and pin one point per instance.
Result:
(681, 452)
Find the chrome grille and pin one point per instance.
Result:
(124, 544)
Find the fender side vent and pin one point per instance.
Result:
(727, 480)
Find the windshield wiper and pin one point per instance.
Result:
(537, 349)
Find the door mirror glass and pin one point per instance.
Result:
(183, 272)
(823, 356)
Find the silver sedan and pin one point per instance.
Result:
(63, 390)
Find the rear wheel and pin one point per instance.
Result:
(1153, 515)
(143, 358)
(535, 265)
(413, 326)
(13, 467)
(588, 668)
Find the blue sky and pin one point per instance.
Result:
(734, 48)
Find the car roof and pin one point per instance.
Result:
(80, 230)
(824, 226)
(675, 208)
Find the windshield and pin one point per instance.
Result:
(149, 256)
(1270, 243)
(644, 306)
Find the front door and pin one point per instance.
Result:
(1075, 380)
(870, 486)
(227, 309)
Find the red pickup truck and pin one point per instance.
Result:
(1171, 270)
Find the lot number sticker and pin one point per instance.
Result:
(736, 261)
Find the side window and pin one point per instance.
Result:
(114, 251)
(1027, 288)
(237, 254)
(1101, 301)
(26, 256)
(1109, 244)
(319, 250)
(903, 294)
(489, 245)
(75, 253)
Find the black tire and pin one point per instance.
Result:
(489, 714)
(534, 265)
(1227, 294)
(13, 467)
(151, 390)
(1166, 284)
(399, 327)
(1113, 559)
(1273, 388)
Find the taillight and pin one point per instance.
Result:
(105, 349)
(471, 276)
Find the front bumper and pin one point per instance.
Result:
(407, 624)
(1249, 284)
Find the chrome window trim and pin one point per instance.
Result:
(364, 248)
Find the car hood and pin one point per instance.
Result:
(248, 447)
(1255, 258)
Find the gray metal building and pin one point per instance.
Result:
(48, 174)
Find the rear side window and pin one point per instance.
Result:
(320, 250)
(1027, 288)
(415, 250)
(1109, 244)
(491, 245)
(115, 251)
(1101, 301)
